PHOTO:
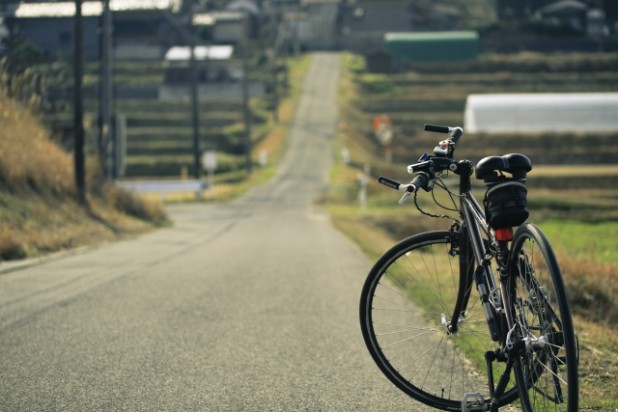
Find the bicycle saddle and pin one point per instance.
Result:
(516, 164)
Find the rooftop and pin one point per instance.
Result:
(208, 19)
(89, 8)
(183, 53)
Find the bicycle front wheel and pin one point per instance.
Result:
(405, 311)
(547, 368)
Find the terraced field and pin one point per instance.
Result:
(160, 136)
(431, 94)
(159, 132)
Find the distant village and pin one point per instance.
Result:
(172, 51)
(149, 29)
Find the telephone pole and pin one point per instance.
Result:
(195, 101)
(246, 95)
(78, 119)
(106, 137)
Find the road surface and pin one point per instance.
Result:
(245, 306)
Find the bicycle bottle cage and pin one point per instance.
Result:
(506, 204)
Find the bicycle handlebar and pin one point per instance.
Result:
(420, 181)
(427, 166)
(437, 128)
(445, 148)
(456, 132)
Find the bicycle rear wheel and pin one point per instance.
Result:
(548, 366)
(405, 311)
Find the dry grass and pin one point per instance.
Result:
(273, 144)
(38, 208)
(593, 290)
(27, 157)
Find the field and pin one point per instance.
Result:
(572, 191)
(158, 133)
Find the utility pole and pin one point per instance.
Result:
(246, 108)
(195, 103)
(275, 27)
(106, 137)
(275, 72)
(246, 96)
(78, 120)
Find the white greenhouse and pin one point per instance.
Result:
(541, 112)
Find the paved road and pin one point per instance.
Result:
(247, 306)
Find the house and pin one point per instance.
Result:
(570, 13)
(239, 20)
(363, 24)
(320, 29)
(218, 74)
(213, 64)
(221, 27)
(312, 24)
(141, 27)
(574, 15)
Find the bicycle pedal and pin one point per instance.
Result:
(473, 402)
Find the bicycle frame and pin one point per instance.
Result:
(474, 224)
(492, 297)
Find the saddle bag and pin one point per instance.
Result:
(506, 203)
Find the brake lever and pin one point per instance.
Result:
(405, 197)
(407, 189)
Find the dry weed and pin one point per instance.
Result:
(27, 156)
(593, 289)
(38, 210)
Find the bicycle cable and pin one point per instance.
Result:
(440, 183)
(440, 216)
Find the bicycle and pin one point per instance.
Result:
(442, 305)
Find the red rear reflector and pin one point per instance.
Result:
(504, 234)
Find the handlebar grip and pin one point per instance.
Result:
(388, 182)
(457, 133)
(436, 128)
(420, 181)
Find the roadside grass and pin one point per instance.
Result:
(39, 212)
(575, 205)
(583, 240)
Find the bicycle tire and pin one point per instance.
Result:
(547, 369)
(405, 306)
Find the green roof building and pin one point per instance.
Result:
(425, 47)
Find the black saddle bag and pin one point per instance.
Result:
(506, 203)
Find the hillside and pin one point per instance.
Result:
(38, 208)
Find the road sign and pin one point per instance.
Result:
(209, 160)
(383, 129)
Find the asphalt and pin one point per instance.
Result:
(245, 306)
